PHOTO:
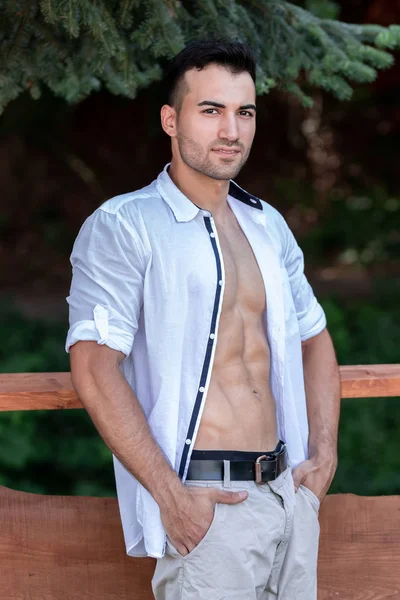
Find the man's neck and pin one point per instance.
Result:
(210, 194)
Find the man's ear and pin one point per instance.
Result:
(168, 120)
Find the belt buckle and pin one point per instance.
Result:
(258, 469)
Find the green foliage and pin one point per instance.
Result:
(369, 461)
(360, 228)
(79, 46)
(324, 9)
(47, 451)
(366, 332)
(30, 345)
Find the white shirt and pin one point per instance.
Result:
(148, 280)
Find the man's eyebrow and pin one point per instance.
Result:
(219, 105)
(246, 106)
(211, 103)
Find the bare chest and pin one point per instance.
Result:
(244, 285)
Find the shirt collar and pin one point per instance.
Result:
(185, 210)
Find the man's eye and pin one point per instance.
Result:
(209, 111)
(246, 113)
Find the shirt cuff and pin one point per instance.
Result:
(312, 322)
(113, 337)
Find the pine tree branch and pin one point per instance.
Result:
(76, 46)
(23, 20)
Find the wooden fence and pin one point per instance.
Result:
(70, 548)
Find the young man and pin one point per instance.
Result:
(202, 356)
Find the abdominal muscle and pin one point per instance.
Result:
(240, 411)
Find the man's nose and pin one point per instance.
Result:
(229, 128)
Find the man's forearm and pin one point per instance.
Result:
(119, 418)
(322, 387)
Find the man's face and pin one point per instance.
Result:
(217, 121)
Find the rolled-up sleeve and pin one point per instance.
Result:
(310, 314)
(107, 283)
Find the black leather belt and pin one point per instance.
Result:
(265, 467)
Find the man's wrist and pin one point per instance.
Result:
(167, 495)
(323, 454)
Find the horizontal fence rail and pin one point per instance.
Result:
(34, 391)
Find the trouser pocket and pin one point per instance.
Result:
(209, 532)
(314, 500)
(203, 540)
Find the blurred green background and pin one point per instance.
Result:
(332, 170)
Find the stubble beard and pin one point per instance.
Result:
(194, 156)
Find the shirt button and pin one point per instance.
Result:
(201, 389)
(220, 282)
(188, 442)
(254, 201)
(212, 234)
(212, 336)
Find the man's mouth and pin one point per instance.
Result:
(227, 151)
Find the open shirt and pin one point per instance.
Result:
(148, 280)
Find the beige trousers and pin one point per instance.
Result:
(264, 548)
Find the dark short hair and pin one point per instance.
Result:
(235, 56)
